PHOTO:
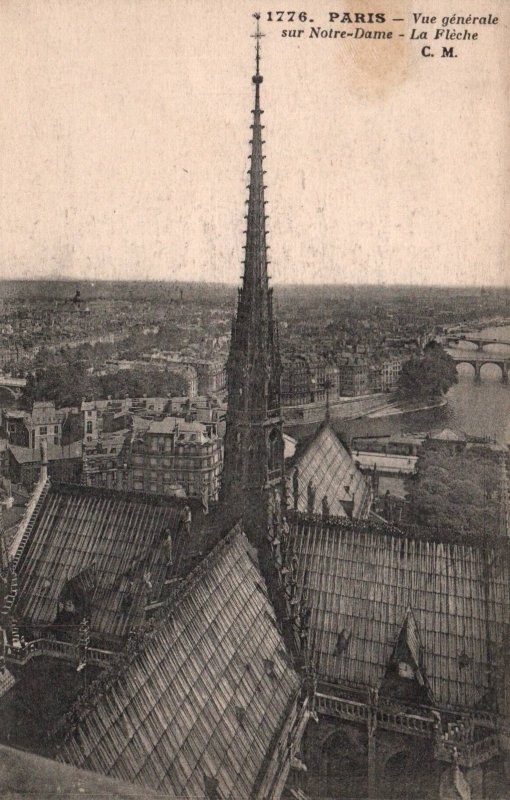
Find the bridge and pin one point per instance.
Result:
(477, 360)
(479, 341)
(11, 387)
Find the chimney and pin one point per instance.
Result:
(44, 461)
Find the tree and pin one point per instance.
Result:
(428, 376)
(66, 382)
(456, 492)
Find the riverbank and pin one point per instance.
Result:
(342, 409)
(479, 325)
(407, 407)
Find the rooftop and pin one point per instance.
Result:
(447, 435)
(103, 545)
(361, 583)
(203, 701)
(325, 462)
(56, 452)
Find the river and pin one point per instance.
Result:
(477, 409)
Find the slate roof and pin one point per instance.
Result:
(325, 461)
(361, 585)
(81, 529)
(201, 705)
(55, 452)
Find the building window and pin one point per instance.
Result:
(43, 430)
(89, 427)
(55, 429)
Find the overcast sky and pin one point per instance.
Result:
(124, 144)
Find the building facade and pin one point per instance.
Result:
(31, 428)
(175, 455)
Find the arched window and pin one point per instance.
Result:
(344, 766)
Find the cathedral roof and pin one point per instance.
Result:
(325, 462)
(111, 542)
(367, 588)
(200, 708)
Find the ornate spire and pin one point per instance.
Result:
(255, 283)
(254, 438)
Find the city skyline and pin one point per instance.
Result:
(125, 157)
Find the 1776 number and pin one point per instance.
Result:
(286, 16)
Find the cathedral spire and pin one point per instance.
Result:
(253, 465)
(255, 283)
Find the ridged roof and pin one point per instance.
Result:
(116, 537)
(361, 585)
(325, 461)
(203, 702)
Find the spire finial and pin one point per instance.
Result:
(257, 78)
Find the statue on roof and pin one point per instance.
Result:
(310, 496)
(325, 506)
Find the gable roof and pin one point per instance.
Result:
(119, 534)
(325, 461)
(361, 581)
(204, 700)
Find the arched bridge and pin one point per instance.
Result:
(479, 341)
(477, 360)
(11, 386)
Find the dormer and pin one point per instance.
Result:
(405, 677)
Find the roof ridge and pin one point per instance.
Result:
(412, 534)
(132, 497)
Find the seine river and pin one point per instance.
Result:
(480, 410)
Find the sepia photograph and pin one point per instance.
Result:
(255, 400)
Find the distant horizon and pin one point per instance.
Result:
(232, 284)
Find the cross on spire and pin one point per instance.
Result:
(258, 36)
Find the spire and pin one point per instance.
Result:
(253, 463)
(255, 283)
(254, 366)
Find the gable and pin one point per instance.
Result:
(404, 676)
(327, 469)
